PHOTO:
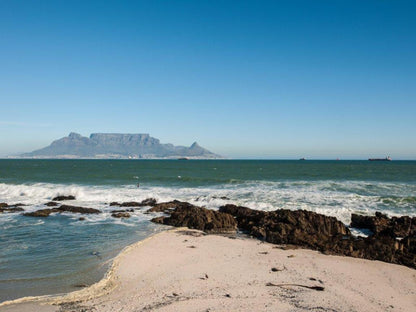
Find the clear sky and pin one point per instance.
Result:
(259, 79)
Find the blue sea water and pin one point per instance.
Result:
(57, 254)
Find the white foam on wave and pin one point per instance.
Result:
(333, 198)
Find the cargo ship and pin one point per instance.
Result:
(380, 159)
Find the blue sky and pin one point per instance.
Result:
(246, 79)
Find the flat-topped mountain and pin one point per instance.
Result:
(117, 145)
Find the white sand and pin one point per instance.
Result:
(175, 271)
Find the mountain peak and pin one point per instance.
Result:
(74, 135)
(195, 145)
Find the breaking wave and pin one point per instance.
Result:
(333, 198)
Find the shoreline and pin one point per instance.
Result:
(101, 287)
(243, 257)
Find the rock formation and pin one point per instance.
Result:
(193, 217)
(380, 224)
(303, 228)
(300, 227)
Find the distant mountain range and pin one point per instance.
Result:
(117, 145)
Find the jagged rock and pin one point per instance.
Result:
(376, 247)
(120, 215)
(164, 207)
(328, 235)
(198, 218)
(63, 197)
(51, 204)
(115, 204)
(300, 227)
(383, 244)
(380, 224)
(63, 208)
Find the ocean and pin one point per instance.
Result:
(61, 253)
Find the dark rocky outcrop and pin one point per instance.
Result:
(300, 227)
(193, 217)
(63, 208)
(380, 224)
(374, 247)
(393, 239)
(328, 235)
(63, 197)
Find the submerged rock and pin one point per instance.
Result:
(11, 209)
(51, 204)
(143, 203)
(76, 209)
(120, 215)
(41, 213)
(63, 208)
(193, 217)
(4, 207)
(63, 197)
(124, 210)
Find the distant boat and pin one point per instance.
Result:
(183, 158)
(303, 158)
(380, 159)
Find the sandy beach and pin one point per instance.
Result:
(185, 270)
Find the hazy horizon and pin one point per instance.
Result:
(254, 157)
(246, 80)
